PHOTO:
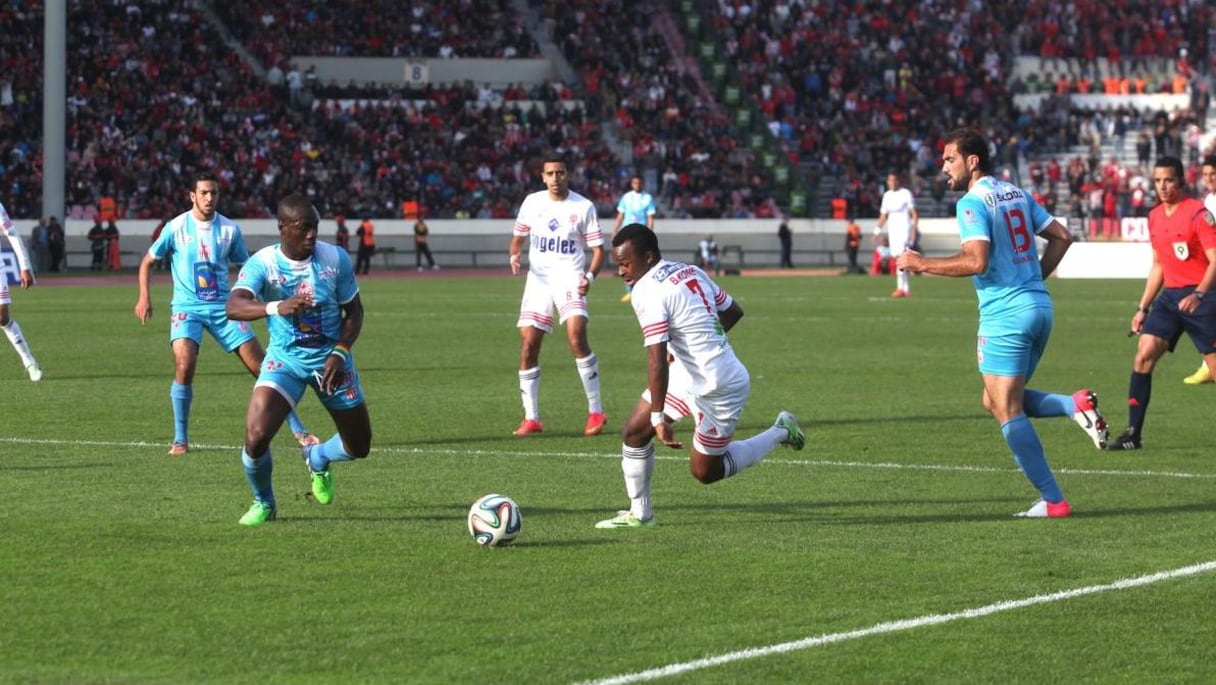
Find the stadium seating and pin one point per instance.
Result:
(158, 91)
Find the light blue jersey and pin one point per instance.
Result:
(201, 255)
(303, 340)
(637, 207)
(1009, 219)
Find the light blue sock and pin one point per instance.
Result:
(1039, 404)
(297, 426)
(331, 450)
(1028, 453)
(180, 396)
(258, 473)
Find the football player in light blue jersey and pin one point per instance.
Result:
(998, 223)
(635, 207)
(201, 243)
(307, 291)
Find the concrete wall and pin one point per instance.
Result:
(499, 73)
(745, 242)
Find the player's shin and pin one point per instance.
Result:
(637, 464)
(259, 474)
(1027, 450)
(589, 372)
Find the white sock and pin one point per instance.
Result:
(529, 392)
(741, 454)
(13, 331)
(902, 281)
(637, 463)
(589, 371)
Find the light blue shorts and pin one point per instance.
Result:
(290, 380)
(191, 324)
(1017, 344)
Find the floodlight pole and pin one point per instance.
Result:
(54, 103)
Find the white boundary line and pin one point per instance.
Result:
(450, 452)
(897, 626)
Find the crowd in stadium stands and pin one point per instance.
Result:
(279, 29)
(20, 110)
(853, 90)
(623, 52)
(885, 81)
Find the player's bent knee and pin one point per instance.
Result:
(706, 470)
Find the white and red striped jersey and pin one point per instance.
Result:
(678, 304)
(558, 231)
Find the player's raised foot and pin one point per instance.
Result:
(177, 449)
(528, 427)
(35, 372)
(1201, 376)
(794, 436)
(1047, 510)
(595, 423)
(322, 485)
(626, 519)
(1127, 440)
(1087, 416)
(307, 439)
(627, 297)
(258, 514)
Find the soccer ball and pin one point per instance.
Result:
(495, 520)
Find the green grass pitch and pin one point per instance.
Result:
(124, 565)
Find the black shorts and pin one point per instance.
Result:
(1167, 322)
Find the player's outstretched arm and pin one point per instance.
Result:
(143, 306)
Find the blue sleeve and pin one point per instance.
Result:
(347, 287)
(974, 219)
(238, 252)
(1039, 218)
(252, 278)
(163, 245)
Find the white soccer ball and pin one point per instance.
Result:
(495, 520)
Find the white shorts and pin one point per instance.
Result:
(543, 294)
(717, 411)
(899, 242)
(4, 296)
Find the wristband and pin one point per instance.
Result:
(590, 277)
(1143, 309)
(340, 350)
(272, 307)
(1199, 295)
(656, 418)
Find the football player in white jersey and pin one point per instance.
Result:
(1202, 374)
(635, 207)
(899, 216)
(11, 330)
(558, 225)
(692, 370)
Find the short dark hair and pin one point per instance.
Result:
(643, 239)
(554, 158)
(1210, 160)
(296, 207)
(201, 177)
(1168, 162)
(970, 142)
